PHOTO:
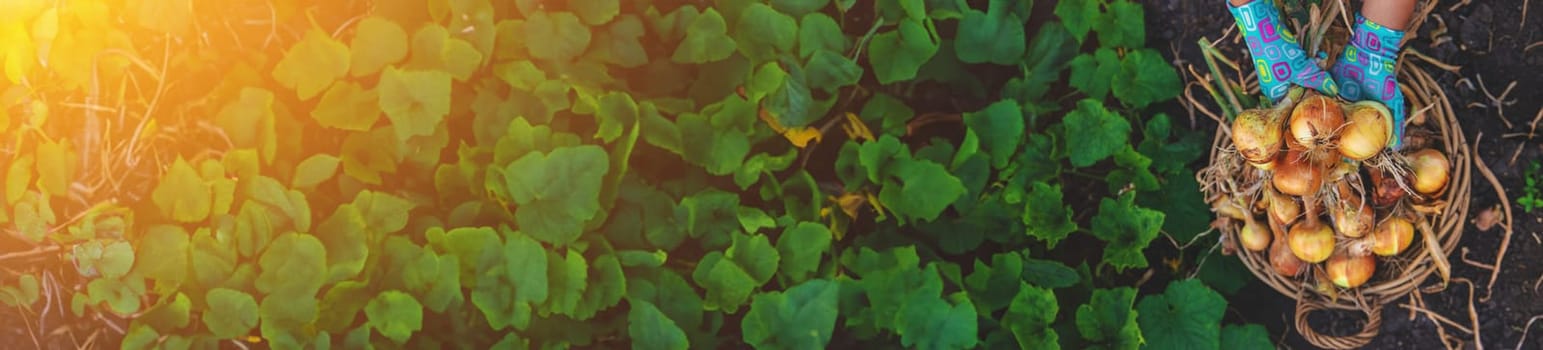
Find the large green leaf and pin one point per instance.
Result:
(994, 36)
(1123, 25)
(348, 106)
(1046, 216)
(395, 315)
(231, 313)
(1108, 320)
(415, 101)
(294, 265)
(556, 36)
(803, 317)
(377, 42)
(762, 32)
(312, 64)
(801, 248)
(707, 40)
(1093, 73)
(819, 32)
(1128, 229)
(1148, 79)
(1186, 316)
(896, 55)
(1094, 133)
(1030, 317)
(182, 194)
(557, 192)
(1000, 127)
(653, 330)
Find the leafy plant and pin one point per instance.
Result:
(602, 173)
(1531, 198)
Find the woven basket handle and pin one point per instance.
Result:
(1306, 306)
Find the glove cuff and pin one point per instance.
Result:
(1375, 39)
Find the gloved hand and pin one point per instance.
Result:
(1366, 71)
(1278, 58)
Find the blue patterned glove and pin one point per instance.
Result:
(1366, 71)
(1278, 58)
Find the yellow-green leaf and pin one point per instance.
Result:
(312, 64)
(378, 43)
(182, 195)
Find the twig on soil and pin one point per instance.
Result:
(1526, 329)
(1532, 45)
(1473, 263)
(110, 323)
(1505, 243)
(1459, 4)
(1499, 102)
(1473, 315)
(1441, 321)
(1433, 61)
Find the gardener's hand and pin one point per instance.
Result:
(1278, 58)
(1365, 71)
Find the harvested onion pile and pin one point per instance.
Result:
(1329, 190)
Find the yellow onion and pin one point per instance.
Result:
(1315, 121)
(1297, 175)
(1385, 189)
(1283, 207)
(1392, 236)
(1367, 130)
(1311, 243)
(1257, 135)
(1351, 217)
(1284, 262)
(1229, 208)
(1255, 237)
(1431, 171)
(1350, 271)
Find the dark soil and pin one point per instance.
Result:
(1486, 39)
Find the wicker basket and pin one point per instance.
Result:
(1438, 227)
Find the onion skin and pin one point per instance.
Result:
(1350, 271)
(1351, 217)
(1257, 135)
(1255, 237)
(1315, 121)
(1311, 243)
(1431, 171)
(1283, 207)
(1367, 130)
(1392, 236)
(1385, 190)
(1285, 263)
(1297, 175)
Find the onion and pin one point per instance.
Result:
(1368, 127)
(1228, 207)
(1431, 170)
(1315, 121)
(1385, 189)
(1351, 217)
(1255, 237)
(1283, 207)
(1284, 262)
(1392, 236)
(1311, 243)
(1296, 175)
(1257, 135)
(1350, 271)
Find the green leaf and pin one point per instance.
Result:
(1093, 73)
(640, 258)
(803, 317)
(995, 36)
(1030, 316)
(762, 32)
(1249, 336)
(172, 313)
(368, 155)
(346, 239)
(249, 122)
(730, 277)
(1149, 79)
(927, 322)
(707, 40)
(18, 177)
(1094, 133)
(830, 71)
(596, 12)
(1128, 229)
(415, 101)
(163, 254)
(555, 36)
(1046, 216)
(927, 189)
(294, 265)
(615, 111)
(231, 313)
(525, 265)
(1186, 316)
(1047, 55)
(377, 43)
(1134, 170)
(651, 329)
(1079, 16)
(312, 64)
(567, 279)
(182, 194)
(621, 44)
(395, 315)
(1000, 127)
(799, 7)
(1108, 320)
(801, 249)
(1124, 25)
(992, 288)
(889, 112)
(25, 293)
(314, 170)
(898, 54)
(819, 32)
(1049, 273)
(55, 172)
(558, 192)
(347, 106)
